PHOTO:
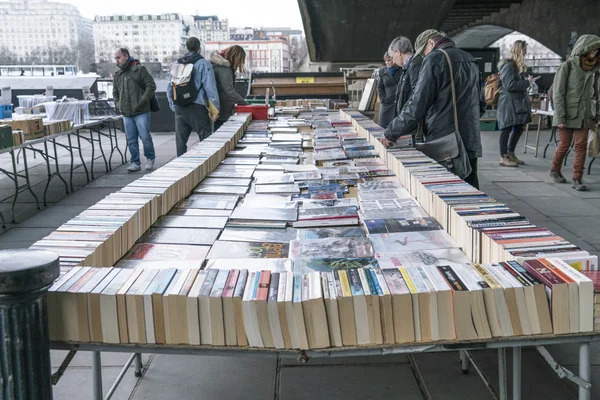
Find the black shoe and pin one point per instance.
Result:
(578, 185)
(557, 177)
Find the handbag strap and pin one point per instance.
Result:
(453, 88)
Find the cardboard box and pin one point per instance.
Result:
(29, 126)
(18, 138)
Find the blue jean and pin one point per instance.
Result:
(138, 126)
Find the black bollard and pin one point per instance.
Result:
(25, 276)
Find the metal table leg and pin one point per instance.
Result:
(590, 165)
(537, 136)
(552, 140)
(97, 375)
(123, 156)
(93, 152)
(102, 149)
(516, 384)
(57, 167)
(112, 146)
(502, 382)
(585, 370)
(87, 175)
(138, 365)
(464, 361)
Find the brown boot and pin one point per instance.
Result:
(507, 162)
(513, 158)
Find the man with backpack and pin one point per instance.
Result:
(133, 90)
(192, 95)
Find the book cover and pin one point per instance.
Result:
(180, 236)
(308, 265)
(333, 247)
(176, 221)
(226, 249)
(428, 258)
(166, 252)
(321, 233)
(411, 241)
(265, 214)
(259, 235)
(401, 225)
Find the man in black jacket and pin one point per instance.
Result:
(402, 52)
(431, 101)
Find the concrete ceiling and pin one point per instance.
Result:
(361, 30)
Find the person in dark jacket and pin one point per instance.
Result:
(133, 87)
(197, 116)
(402, 52)
(389, 76)
(225, 65)
(431, 101)
(514, 107)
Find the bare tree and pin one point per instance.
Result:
(7, 57)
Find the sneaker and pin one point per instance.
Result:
(133, 167)
(557, 177)
(507, 162)
(149, 165)
(513, 158)
(578, 185)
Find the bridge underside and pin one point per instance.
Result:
(359, 31)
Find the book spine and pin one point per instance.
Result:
(542, 273)
(452, 278)
(263, 285)
(274, 287)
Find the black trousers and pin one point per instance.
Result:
(509, 138)
(472, 178)
(194, 117)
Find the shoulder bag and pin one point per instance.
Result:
(449, 150)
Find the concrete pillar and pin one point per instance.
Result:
(25, 276)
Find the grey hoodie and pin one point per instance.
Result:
(576, 93)
(228, 97)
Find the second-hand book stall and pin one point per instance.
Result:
(304, 237)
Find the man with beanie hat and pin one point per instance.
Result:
(430, 105)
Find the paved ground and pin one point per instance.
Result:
(528, 190)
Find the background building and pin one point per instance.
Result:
(238, 34)
(208, 28)
(150, 38)
(261, 55)
(41, 32)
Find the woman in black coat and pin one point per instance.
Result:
(514, 107)
(389, 76)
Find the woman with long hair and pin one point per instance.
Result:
(514, 107)
(226, 64)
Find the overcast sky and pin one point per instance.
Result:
(255, 13)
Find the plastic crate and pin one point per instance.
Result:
(489, 125)
(7, 111)
(259, 112)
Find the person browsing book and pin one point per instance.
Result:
(192, 95)
(389, 76)
(431, 103)
(576, 99)
(402, 52)
(514, 107)
(226, 64)
(133, 88)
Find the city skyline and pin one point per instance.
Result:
(282, 13)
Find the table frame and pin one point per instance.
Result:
(50, 155)
(464, 348)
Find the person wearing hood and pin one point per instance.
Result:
(389, 76)
(514, 106)
(133, 87)
(194, 116)
(576, 98)
(225, 65)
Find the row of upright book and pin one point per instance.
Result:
(296, 234)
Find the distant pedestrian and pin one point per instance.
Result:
(133, 88)
(576, 98)
(192, 95)
(389, 76)
(514, 107)
(226, 64)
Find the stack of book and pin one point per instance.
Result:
(248, 240)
